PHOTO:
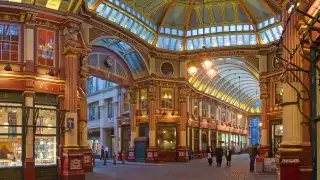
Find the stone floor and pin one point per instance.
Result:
(194, 170)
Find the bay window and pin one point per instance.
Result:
(143, 99)
(46, 41)
(167, 98)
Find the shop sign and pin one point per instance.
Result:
(70, 123)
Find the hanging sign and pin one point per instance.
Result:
(70, 123)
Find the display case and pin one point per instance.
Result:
(45, 150)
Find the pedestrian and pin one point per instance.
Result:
(228, 157)
(210, 154)
(219, 154)
(101, 153)
(105, 157)
(253, 154)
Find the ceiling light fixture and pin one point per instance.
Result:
(192, 70)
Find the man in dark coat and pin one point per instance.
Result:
(228, 157)
(253, 154)
(219, 154)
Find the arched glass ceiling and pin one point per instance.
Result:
(236, 23)
(126, 51)
(237, 83)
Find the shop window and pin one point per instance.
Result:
(126, 103)
(9, 42)
(204, 109)
(167, 98)
(278, 93)
(93, 111)
(166, 139)
(46, 47)
(110, 108)
(11, 135)
(45, 146)
(143, 99)
(212, 111)
(204, 140)
(90, 85)
(195, 105)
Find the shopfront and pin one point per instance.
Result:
(213, 140)
(204, 140)
(167, 141)
(15, 129)
(223, 139)
(125, 139)
(94, 142)
(276, 136)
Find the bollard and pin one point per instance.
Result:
(114, 159)
(123, 157)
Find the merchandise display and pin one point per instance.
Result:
(45, 150)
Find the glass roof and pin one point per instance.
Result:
(237, 83)
(126, 51)
(177, 25)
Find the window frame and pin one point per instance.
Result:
(55, 57)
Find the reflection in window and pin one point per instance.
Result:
(195, 107)
(278, 93)
(167, 98)
(143, 99)
(45, 150)
(126, 103)
(109, 108)
(45, 47)
(166, 139)
(93, 111)
(204, 109)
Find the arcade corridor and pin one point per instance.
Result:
(195, 170)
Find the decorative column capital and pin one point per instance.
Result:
(184, 91)
(133, 94)
(152, 91)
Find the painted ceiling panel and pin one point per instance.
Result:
(152, 5)
(157, 15)
(242, 15)
(217, 14)
(258, 9)
(140, 2)
(194, 20)
(205, 16)
(176, 16)
(229, 13)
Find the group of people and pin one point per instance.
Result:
(253, 153)
(219, 154)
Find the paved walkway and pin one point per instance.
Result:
(194, 170)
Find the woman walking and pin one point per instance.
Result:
(210, 154)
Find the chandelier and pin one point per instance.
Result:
(206, 63)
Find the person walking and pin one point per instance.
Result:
(253, 154)
(210, 154)
(101, 153)
(228, 157)
(219, 154)
(105, 157)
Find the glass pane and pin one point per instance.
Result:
(246, 27)
(46, 121)
(179, 45)
(166, 43)
(266, 23)
(195, 44)
(280, 29)
(190, 45)
(251, 28)
(167, 98)
(269, 34)
(166, 139)
(167, 30)
(275, 33)
(239, 27)
(232, 28)
(130, 23)
(174, 31)
(113, 15)
(106, 12)
(240, 39)
(143, 98)
(246, 39)
(139, 30)
(180, 32)
(214, 41)
(226, 28)
(220, 40)
(200, 31)
(271, 21)
(260, 26)
(264, 38)
(134, 27)
(194, 32)
(213, 29)
(124, 21)
(159, 42)
(45, 150)
(188, 33)
(45, 47)
(233, 40)
(208, 43)
(207, 30)
(162, 30)
(226, 41)
(151, 38)
(100, 8)
(147, 35)
(173, 44)
(253, 39)
(143, 33)
(219, 29)
(11, 150)
(119, 17)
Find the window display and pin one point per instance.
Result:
(45, 150)
(204, 140)
(143, 99)
(195, 107)
(10, 151)
(204, 109)
(167, 98)
(278, 93)
(166, 139)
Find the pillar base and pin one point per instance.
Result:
(29, 169)
(152, 155)
(71, 165)
(131, 154)
(288, 160)
(183, 154)
(264, 151)
(87, 160)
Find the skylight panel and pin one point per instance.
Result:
(188, 33)
(207, 30)
(266, 23)
(139, 30)
(213, 29)
(269, 35)
(214, 41)
(155, 27)
(111, 1)
(123, 6)
(275, 33)
(167, 30)
(162, 30)
(194, 32)
(233, 39)
(129, 9)
(179, 45)
(159, 43)
(106, 12)
(139, 15)
(174, 31)
(166, 42)
(251, 28)
(232, 28)
(272, 21)
(143, 33)
(190, 45)
(246, 39)
(173, 44)
(246, 27)
(147, 35)
(134, 27)
(226, 40)
(130, 23)
(253, 39)
(124, 45)
(143, 19)
(280, 29)
(151, 38)
(180, 32)
(260, 26)
(129, 60)
(195, 44)
(201, 43)
(200, 31)
(113, 15)
(119, 17)
(100, 8)
(134, 12)
(219, 29)
(220, 41)
(226, 28)
(208, 43)
(240, 39)
(239, 27)
(264, 38)
(117, 2)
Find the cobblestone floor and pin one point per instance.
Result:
(194, 170)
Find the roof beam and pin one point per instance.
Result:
(186, 22)
(273, 10)
(251, 19)
(148, 14)
(147, 3)
(162, 19)
(95, 4)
